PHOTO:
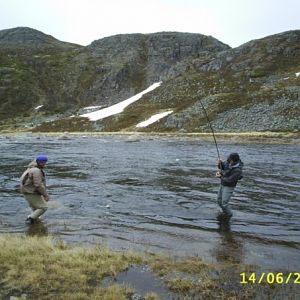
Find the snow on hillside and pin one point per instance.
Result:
(119, 107)
(154, 118)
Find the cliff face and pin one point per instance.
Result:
(252, 87)
(154, 55)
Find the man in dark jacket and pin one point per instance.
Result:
(33, 187)
(230, 173)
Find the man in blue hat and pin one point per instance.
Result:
(33, 187)
(230, 173)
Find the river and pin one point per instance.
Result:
(159, 194)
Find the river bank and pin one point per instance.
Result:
(46, 268)
(269, 137)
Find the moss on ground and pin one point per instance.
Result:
(67, 124)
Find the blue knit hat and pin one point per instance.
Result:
(42, 158)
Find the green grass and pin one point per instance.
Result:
(67, 124)
(45, 268)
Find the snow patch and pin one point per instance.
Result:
(38, 107)
(119, 107)
(297, 74)
(154, 119)
(91, 107)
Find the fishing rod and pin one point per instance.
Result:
(212, 130)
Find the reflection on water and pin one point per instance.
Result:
(229, 248)
(37, 229)
(160, 194)
(144, 282)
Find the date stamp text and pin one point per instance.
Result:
(270, 278)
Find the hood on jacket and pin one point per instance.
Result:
(239, 164)
(33, 164)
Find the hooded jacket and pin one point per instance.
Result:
(33, 181)
(230, 175)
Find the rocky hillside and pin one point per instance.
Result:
(254, 87)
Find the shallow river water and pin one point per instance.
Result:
(159, 194)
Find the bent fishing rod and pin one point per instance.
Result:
(212, 130)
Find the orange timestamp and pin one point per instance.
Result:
(270, 278)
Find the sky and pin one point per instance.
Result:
(233, 22)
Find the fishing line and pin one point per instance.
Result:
(212, 130)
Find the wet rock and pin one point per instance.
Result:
(137, 297)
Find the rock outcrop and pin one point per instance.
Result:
(253, 87)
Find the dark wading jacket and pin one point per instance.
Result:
(230, 175)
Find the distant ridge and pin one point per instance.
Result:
(254, 87)
(28, 37)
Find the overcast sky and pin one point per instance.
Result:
(233, 22)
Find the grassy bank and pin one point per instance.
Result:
(44, 268)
